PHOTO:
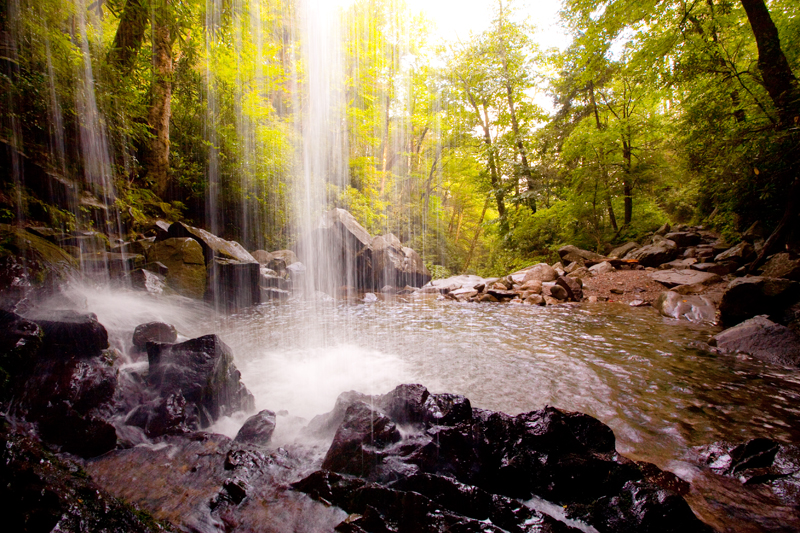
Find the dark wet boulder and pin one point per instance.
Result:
(202, 371)
(42, 492)
(756, 295)
(763, 339)
(258, 429)
(556, 291)
(186, 268)
(154, 332)
(71, 333)
(234, 284)
(149, 281)
(356, 445)
(20, 341)
(740, 254)
(640, 506)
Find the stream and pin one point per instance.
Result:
(629, 367)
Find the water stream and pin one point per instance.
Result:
(629, 367)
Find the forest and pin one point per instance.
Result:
(680, 111)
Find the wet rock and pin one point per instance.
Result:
(655, 254)
(41, 492)
(534, 299)
(234, 284)
(154, 332)
(782, 265)
(673, 278)
(741, 253)
(30, 263)
(572, 287)
(287, 256)
(698, 309)
(356, 445)
(271, 294)
(70, 333)
(570, 254)
(487, 298)
(502, 294)
(148, 281)
(621, 251)
(88, 242)
(114, 264)
(263, 257)
(532, 286)
(202, 371)
(20, 341)
(556, 291)
(213, 246)
(186, 266)
(83, 435)
(756, 295)
(257, 429)
(763, 339)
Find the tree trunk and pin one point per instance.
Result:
(782, 86)
(526, 169)
(130, 34)
(627, 185)
(778, 77)
(609, 207)
(161, 97)
(477, 234)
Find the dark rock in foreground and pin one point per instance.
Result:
(455, 467)
(755, 295)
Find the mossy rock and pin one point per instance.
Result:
(184, 260)
(29, 262)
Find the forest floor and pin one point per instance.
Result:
(636, 285)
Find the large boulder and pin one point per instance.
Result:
(397, 265)
(234, 284)
(338, 252)
(541, 272)
(202, 371)
(570, 254)
(763, 339)
(698, 309)
(741, 253)
(186, 265)
(684, 239)
(154, 332)
(258, 429)
(212, 245)
(756, 295)
(673, 278)
(652, 255)
(621, 251)
(477, 466)
(782, 265)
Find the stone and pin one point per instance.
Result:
(741, 253)
(673, 278)
(186, 265)
(213, 246)
(655, 254)
(20, 341)
(271, 294)
(154, 332)
(754, 233)
(572, 287)
(454, 282)
(663, 230)
(287, 256)
(397, 265)
(145, 280)
(678, 264)
(697, 309)
(720, 269)
(88, 242)
(580, 273)
(540, 272)
(487, 298)
(601, 268)
(258, 429)
(263, 257)
(356, 444)
(558, 292)
(113, 264)
(621, 251)
(684, 239)
(234, 284)
(269, 279)
(616, 291)
(534, 299)
(570, 253)
(202, 371)
(763, 339)
(756, 295)
(70, 333)
(534, 286)
(782, 265)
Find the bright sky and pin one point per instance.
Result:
(455, 19)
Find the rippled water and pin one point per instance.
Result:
(629, 367)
